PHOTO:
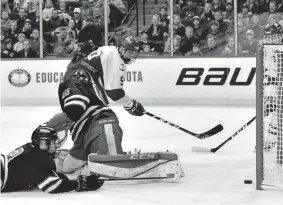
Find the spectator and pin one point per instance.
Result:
(191, 10)
(245, 15)
(27, 52)
(252, 6)
(5, 6)
(241, 32)
(5, 21)
(77, 18)
(30, 9)
(250, 45)
(27, 30)
(211, 48)
(98, 12)
(23, 4)
(64, 12)
(34, 42)
(91, 32)
(16, 6)
(176, 42)
(229, 13)
(198, 29)
(207, 15)
(112, 42)
(156, 34)
(36, 4)
(164, 18)
(218, 17)
(256, 26)
(272, 19)
(196, 50)
(117, 11)
(47, 11)
(280, 7)
(36, 20)
(218, 5)
(56, 21)
(176, 8)
(229, 49)
(20, 44)
(7, 51)
(215, 31)
(178, 26)
(68, 49)
(2, 40)
(13, 32)
(86, 10)
(72, 28)
(144, 44)
(21, 18)
(61, 39)
(272, 10)
(187, 41)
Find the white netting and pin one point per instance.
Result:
(273, 115)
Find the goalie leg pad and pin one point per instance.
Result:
(143, 165)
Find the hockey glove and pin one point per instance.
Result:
(89, 183)
(135, 108)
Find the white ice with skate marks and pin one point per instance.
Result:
(210, 178)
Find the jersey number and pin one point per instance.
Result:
(94, 54)
(15, 153)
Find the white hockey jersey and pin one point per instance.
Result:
(114, 71)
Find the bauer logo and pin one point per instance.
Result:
(216, 76)
(19, 77)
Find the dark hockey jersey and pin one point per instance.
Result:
(29, 167)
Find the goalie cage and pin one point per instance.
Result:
(269, 128)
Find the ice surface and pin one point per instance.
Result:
(210, 178)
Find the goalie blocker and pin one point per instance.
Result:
(163, 165)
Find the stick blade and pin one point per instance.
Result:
(200, 149)
(211, 132)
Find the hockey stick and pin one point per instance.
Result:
(213, 150)
(134, 179)
(204, 135)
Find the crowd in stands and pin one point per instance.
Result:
(200, 27)
(206, 28)
(65, 24)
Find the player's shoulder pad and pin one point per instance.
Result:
(109, 52)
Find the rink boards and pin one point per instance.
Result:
(213, 81)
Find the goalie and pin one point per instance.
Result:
(93, 80)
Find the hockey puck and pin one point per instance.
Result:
(248, 181)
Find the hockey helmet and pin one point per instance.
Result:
(46, 139)
(61, 124)
(273, 29)
(128, 49)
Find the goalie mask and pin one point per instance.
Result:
(46, 139)
(128, 49)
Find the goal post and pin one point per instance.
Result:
(269, 111)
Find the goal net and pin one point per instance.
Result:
(269, 147)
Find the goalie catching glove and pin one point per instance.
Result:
(89, 183)
(135, 108)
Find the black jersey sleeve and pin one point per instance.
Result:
(74, 97)
(57, 183)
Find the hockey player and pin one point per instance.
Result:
(93, 81)
(32, 165)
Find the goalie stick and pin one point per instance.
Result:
(204, 135)
(213, 150)
(134, 179)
